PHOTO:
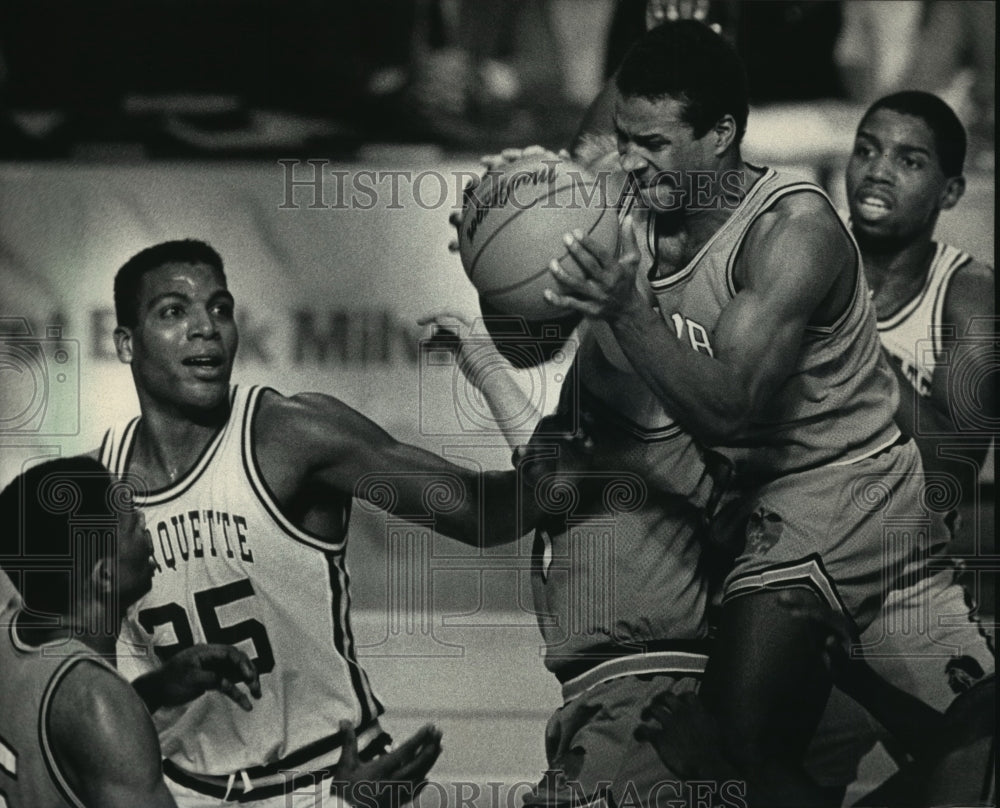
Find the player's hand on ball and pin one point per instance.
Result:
(203, 667)
(660, 11)
(496, 162)
(597, 283)
(388, 781)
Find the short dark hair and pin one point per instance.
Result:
(64, 510)
(949, 134)
(688, 61)
(182, 251)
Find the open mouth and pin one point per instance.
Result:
(203, 361)
(873, 207)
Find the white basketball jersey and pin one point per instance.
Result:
(912, 336)
(232, 569)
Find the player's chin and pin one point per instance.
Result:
(205, 394)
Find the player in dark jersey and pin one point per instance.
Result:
(761, 343)
(621, 583)
(81, 555)
(248, 495)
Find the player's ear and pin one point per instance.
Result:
(724, 134)
(102, 576)
(954, 188)
(123, 344)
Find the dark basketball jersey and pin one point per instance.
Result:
(30, 776)
(838, 404)
(621, 571)
(231, 568)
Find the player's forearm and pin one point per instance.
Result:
(513, 411)
(695, 388)
(497, 510)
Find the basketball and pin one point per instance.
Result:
(513, 225)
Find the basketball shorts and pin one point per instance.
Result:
(593, 756)
(283, 786)
(847, 532)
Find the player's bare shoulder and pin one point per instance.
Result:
(309, 436)
(91, 711)
(800, 230)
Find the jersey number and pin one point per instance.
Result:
(207, 603)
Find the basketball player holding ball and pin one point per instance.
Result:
(753, 302)
(644, 627)
(762, 344)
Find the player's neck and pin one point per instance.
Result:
(896, 273)
(169, 441)
(697, 223)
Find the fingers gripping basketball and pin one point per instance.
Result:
(514, 222)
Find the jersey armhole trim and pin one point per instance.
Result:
(897, 319)
(44, 733)
(264, 494)
(956, 259)
(777, 195)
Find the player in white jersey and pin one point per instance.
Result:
(935, 315)
(248, 497)
(79, 551)
(764, 346)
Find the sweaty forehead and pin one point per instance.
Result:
(187, 279)
(638, 115)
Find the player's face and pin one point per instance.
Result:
(659, 150)
(895, 184)
(183, 347)
(135, 563)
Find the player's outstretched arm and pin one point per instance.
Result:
(104, 743)
(313, 442)
(486, 369)
(197, 670)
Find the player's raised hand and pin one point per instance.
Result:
(388, 781)
(598, 283)
(452, 332)
(199, 669)
(494, 162)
